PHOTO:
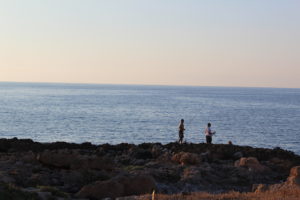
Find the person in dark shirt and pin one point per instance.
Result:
(181, 131)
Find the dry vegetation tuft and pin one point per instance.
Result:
(292, 193)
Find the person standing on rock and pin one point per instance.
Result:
(209, 133)
(181, 131)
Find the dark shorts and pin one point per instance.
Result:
(208, 139)
(180, 134)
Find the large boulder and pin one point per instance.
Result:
(252, 164)
(92, 162)
(101, 189)
(68, 159)
(157, 151)
(237, 155)
(59, 159)
(118, 187)
(192, 175)
(139, 153)
(137, 185)
(294, 178)
(186, 158)
(293, 182)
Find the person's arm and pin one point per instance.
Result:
(212, 132)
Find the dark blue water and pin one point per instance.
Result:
(261, 117)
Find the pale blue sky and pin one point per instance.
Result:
(166, 42)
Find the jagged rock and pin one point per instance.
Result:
(192, 175)
(73, 160)
(206, 156)
(117, 187)
(293, 181)
(237, 155)
(281, 164)
(102, 189)
(5, 178)
(93, 162)
(164, 172)
(139, 153)
(71, 167)
(185, 158)
(60, 159)
(156, 151)
(137, 185)
(45, 195)
(29, 157)
(295, 171)
(165, 157)
(258, 188)
(294, 178)
(252, 164)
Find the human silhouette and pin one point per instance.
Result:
(209, 133)
(181, 131)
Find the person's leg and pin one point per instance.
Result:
(180, 137)
(208, 139)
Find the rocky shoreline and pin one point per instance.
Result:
(63, 170)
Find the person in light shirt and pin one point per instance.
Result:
(209, 133)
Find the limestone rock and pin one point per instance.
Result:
(192, 175)
(102, 189)
(137, 185)
(156, 151)
(73, 160)
(238, 155)
(258, 188)
(294, 178)
(185, 158)
(252, 164)
(118, 187)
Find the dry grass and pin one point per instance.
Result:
(282, 194)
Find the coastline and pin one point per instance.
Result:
(91, 171)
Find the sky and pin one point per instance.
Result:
(158, 42)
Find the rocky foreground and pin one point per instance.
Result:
(32, 170)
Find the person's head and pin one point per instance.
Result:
(182, 120)
(209, 125)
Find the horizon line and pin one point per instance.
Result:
(136, 84)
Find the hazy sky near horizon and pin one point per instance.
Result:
(167, 42)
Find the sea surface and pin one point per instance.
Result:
(259, 117)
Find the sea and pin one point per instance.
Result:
(49, 112)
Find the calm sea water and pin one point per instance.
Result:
(261, 117)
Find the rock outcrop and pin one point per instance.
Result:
(186, 158)
(117, 187)
(293, 181)
(294, 178)
(252, 164)
(100, 171)
(70, 159)
(102, 189)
